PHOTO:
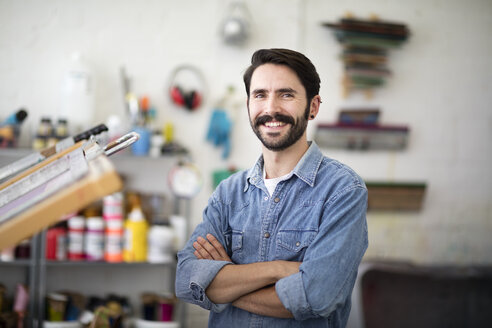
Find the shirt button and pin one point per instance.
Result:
(266, 235)
(277, 199)
(266, 198)
(298, 244)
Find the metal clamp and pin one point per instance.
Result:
(121, 143)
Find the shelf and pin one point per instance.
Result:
(362, 137)
(16, 151)
(142, 174)
(395, 196)
(104, 264)
(16, 263)
(126, 154)
(10, 155)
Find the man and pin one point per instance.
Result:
(280, 244)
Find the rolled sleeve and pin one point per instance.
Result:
(193, 276)
(204, 271)
(291, 292)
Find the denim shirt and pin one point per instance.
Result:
(318, 217)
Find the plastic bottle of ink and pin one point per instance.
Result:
(113, 206)
(94, 239)
(160, 244)
(56, 243)
(113, 241)
(76, 227)
(113, 236)
(136, 228)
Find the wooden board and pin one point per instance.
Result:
(395, 196)
(99, 180)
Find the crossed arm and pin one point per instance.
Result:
(250, 287)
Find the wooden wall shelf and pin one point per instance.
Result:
(362, 137)
(395, 196)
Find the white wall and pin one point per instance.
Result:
(441, 88)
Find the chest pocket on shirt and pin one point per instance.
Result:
(237, 246)
(292, 244)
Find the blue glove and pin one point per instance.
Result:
(219, 131)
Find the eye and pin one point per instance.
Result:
(288, 95)
(259, 95)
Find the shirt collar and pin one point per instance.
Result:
(306, 168)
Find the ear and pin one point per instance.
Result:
(314, 106)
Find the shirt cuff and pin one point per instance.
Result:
(204, 271)
(290, 290)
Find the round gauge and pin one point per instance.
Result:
(185, 180)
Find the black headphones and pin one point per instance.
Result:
(190, 99)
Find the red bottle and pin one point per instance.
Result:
(56, 243)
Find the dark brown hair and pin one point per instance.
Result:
(300, 64)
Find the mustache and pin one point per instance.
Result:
(277, 117)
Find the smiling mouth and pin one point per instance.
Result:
(276, 121)
(275, 124)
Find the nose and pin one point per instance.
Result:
(271, 105)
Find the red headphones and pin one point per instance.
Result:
(190, 99)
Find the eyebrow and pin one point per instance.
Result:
(284, 90)
(278, 91)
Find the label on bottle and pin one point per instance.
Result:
(94, 245)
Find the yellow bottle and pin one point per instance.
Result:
(136, 228)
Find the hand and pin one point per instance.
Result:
(210, 249)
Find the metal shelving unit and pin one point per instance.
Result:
(140, 174)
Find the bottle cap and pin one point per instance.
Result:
(76, 222)
(95, 223)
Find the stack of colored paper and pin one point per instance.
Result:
(365, 50)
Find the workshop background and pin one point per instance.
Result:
(440, 87)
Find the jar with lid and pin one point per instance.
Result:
(45, 128)
(43, 134)
(61, 129)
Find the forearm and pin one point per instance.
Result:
(234, 281)
(265, 302)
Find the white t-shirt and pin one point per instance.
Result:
(271, 184)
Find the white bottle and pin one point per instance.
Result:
(94, 239)
(78, 90)
(160, 244)
(76, 228)
(179, 225)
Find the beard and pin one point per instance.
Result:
(274, 141)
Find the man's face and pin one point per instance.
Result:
(278, 108)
